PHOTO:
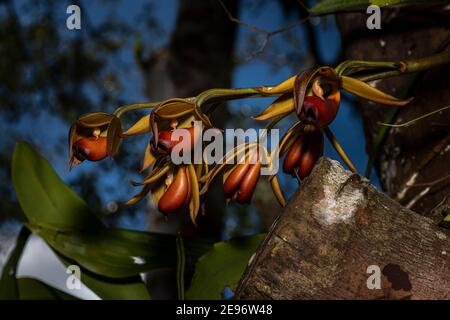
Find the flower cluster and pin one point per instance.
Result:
(313, 95)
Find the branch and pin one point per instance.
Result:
(267, 34)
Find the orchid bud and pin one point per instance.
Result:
(304, 153)
(313, 151)
(233, 181)
(293, 156)
(93, 137)
(176, 194)
(166, 142)
(248, 184)
(241, 183)
(92, 149)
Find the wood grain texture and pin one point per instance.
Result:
(334, 227)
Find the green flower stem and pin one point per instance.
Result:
(411, 66)
(220, 95)
(208, 96)
(145, 105)
(180, 266)
(349, 67)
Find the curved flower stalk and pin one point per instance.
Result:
(312, 95)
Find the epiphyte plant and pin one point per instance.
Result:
(313, 95)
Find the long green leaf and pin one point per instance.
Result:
(112, 289)
(334, 6)
(32, 289)
(115, 253)
(43, 196)
(64, 220)
(222, 266)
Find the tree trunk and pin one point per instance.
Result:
(334, 228)
(198, 57)
(414, 162)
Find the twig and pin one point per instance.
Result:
(267, 34)
(431, 183)
(418, 197)
(410, 122)
(436, 150)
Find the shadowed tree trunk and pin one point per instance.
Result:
(198, 57)
(333, 229)
(414, 162)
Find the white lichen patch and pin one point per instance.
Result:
(340, 202)
(440, 235)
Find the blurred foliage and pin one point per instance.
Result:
(333, 6)
(222, 267)
(47, 70)
(111, 259)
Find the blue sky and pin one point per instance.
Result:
(347, 127)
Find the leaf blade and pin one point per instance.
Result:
(281, 106)
(365, 91)
(35, 182)
(210, 275)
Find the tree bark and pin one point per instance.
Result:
(413, 160)
(333, 229)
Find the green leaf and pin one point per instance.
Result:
(8, 284)
(109, 252)
(117, 289)
(111, 258)
(112, 289)
(32, 289)
(281, 106)
(117, 253)
(43, 196)
(222, 266)
(64, 220)
(366, 91)
(334, 6)
(385, 3)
